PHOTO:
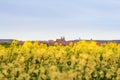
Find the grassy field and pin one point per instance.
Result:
(81, 61)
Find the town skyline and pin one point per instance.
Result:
(60, 41)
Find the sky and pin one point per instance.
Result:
(51, 19)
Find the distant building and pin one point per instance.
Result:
(6, 40)
(50, 42)
(62, 39)
(20, 42)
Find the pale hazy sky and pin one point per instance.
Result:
(50, 19)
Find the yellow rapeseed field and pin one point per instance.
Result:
(81, 61)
